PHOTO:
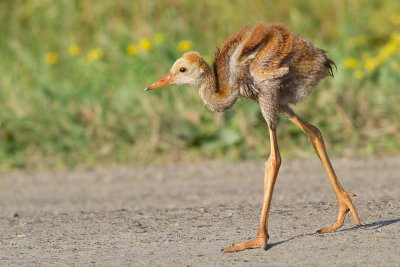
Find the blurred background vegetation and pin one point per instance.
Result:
(72, 75)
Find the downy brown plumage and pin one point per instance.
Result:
(275, 67)
(270, 65)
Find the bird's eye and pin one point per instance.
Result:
(182, 70)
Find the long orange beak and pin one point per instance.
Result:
(164, 81)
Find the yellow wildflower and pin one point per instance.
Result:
(51, 58)
(371, 64)
(392, 46)
(94, 54)
(395, 18)
(386, 51)
(184, 45)
(132, 49)
(351, 63)
(159, 38)
(359, 74)
(74, 50)
(145, 44)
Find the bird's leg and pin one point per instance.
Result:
(271, 171)
(343, 197)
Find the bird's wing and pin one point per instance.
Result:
(264, 54)
(252, 44)
(272, 56)
(261, 54)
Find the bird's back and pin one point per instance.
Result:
(270, 60)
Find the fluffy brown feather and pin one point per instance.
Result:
(221, 60)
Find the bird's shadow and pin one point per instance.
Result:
(374, 225)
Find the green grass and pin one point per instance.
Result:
(82, 112)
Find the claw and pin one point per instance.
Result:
(258, 242)
(351, 194)
(345, 205)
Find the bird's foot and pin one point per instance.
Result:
(259, 242)
(345, 205)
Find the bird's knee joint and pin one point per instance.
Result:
(315, 135)
(273, 162)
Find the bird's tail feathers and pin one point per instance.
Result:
(329, 66)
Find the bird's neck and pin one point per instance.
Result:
(216, 98)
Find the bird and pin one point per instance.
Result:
(277, 68)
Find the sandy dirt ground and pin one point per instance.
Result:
(182, 215)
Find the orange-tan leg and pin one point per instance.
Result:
(271, 171)
(343, 198)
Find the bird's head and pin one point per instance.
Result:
(187, 70)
